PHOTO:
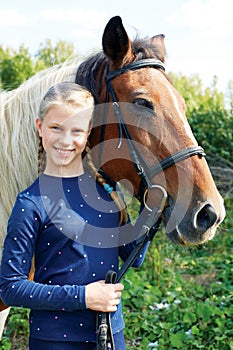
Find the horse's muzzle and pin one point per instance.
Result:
(198, 225)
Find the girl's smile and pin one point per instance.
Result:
(64, 152)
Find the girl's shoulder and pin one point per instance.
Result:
(30, 196)
(31, 189)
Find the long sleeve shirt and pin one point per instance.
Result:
(71, 226)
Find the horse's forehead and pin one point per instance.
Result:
(153, 84)
(149, 80)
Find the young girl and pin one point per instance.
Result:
(69, 219)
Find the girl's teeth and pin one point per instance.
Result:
(64, 151)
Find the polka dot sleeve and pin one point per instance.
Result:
(15, 289)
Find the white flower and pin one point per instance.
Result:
(177, 301)
(189, 333)
(160, 306)
(153, 346)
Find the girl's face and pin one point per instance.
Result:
(64, 132)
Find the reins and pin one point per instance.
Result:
(148, 231)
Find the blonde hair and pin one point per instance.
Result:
(75, 95)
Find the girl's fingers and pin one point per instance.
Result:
(118, 286)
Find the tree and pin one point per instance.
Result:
(194, 93)
(229, 95)
(49, 55)
(15, 67)
(210, 120)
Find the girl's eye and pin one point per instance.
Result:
(56, 128)
(78, 132)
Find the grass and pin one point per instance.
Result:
(181, 298)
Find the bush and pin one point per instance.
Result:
(213, 130)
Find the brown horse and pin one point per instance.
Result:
(151, 114)
(141, 135)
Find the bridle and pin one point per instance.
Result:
(145, 172)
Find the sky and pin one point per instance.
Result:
(198, 33)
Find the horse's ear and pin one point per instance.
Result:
(158, 42)
(116, 43)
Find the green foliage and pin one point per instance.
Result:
(16, 66)
(49, 55)
(213, 129)
(194, 93)
(17, 330)
(210, 120)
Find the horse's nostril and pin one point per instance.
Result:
(205, 218)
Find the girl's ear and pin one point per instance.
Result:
(39, 126)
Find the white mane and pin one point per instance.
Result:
(18, 136)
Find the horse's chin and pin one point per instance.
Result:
(177, 237)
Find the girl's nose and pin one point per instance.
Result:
(66, 139)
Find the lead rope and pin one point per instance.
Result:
(148, 231)
(105, 338)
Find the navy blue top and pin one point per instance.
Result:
(71, 225)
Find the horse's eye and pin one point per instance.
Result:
(142, 102)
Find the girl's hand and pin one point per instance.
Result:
(103, 297)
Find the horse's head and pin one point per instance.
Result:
(153, 113)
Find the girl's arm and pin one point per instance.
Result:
(19, 246)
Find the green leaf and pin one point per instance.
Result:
(177, 339)
(189, 317)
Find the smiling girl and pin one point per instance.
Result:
(70, 222)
